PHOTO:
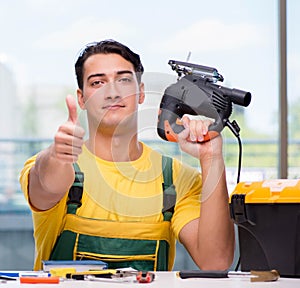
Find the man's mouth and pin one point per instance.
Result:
(113, 106)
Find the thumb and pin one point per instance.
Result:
(72, 109)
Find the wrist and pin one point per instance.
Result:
(215, 161)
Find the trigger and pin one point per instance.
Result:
(210, 135)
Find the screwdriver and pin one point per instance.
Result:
(255, 276)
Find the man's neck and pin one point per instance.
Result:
(115, 148)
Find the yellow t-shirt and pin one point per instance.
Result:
(118, 191)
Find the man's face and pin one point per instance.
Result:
(110, 92)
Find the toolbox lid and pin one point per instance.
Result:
(269, 191)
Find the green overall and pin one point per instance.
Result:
(140, 245)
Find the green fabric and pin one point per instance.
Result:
(115, 246)
(64, 247)
(140, 265)
(169, 197)
(124, 247)
(76, 167)
(72, 208)
(163, 256)
(102, 246)
(167, 163)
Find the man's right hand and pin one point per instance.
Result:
(68, 139)
(53, 173)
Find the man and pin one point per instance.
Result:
(119, 218)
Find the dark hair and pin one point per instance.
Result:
(107, 47)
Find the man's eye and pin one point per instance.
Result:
(96, 83)
(125, 79)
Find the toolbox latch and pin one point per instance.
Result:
(238, 208)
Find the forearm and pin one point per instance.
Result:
(216, 232)
(49, 179)
(53, 174)
(210, 238)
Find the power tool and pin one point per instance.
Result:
(197, 93)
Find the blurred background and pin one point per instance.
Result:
(40, 42)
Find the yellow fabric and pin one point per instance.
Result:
(122, 191)
(109, 229)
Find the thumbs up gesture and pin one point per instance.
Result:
(68, 139)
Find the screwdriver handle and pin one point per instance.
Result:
(202, 274)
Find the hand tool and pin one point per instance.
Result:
(39, 280)
(255, 276)
(118, 275)
(106, 273)
(197, 93)
(145, 277)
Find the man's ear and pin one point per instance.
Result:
(80, 99)
(142, 93)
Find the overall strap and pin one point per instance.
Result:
(76, 190)
(169, 192)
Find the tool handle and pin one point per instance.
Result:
(145, 277)
(202, 274)
(39, 280)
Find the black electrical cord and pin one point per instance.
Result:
(237, 181)
(235, 130)
(239, 160)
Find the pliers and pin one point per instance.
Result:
(119, 275)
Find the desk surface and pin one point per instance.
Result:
(166, 280)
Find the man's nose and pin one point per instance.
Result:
(112, 91)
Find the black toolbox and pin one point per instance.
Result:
(267, 214)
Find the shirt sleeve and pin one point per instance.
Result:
(48, 224)
(188, 185)
(24, 176)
